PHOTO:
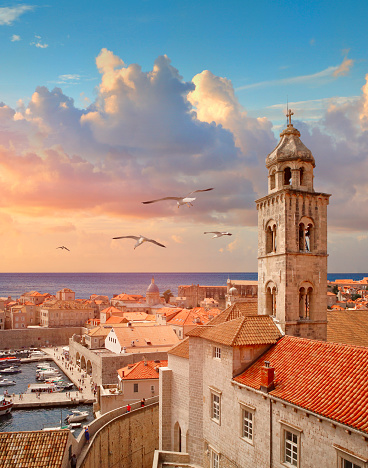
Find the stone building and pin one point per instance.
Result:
(292, 241)
(241, 392)
(59, 313)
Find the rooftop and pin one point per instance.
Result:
(141, 370)
(35, 449)
(326, 378)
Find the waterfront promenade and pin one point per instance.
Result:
(80, 379)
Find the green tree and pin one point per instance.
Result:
(335, 289)
(167, 294)
(354, 297)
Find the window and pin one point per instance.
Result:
(135, 388)
(215, 459)
(217, 352)
(152, 388)
(348, 459)
(215, 405)
(291, 448)
(247, 424)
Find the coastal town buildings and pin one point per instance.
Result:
(60, 313)
(251, 390)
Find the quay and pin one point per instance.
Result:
(80, 379)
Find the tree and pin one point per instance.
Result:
(167, 294)
(335, 289)
(354, 297)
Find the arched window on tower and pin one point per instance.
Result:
(301, 176)
(271, 237)
(306, 235)
(306, 301)
(272, 180)
(271, 293)
(287, 176)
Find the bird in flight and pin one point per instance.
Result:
(187, 200)
(63, 247)
(218, 234)
(140, 239)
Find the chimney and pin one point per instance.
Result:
(267, 377)
(145, 363)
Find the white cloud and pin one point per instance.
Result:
(38, 43)
(322, 76)
(10, 14)
(15, 38)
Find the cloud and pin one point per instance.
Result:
(15, 38)
(320, 77)
(38, 43)
(10, 14)
(177, 239)
(344, 68)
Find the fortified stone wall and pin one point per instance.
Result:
(37, 337)
(129, 441)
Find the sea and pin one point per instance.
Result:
(108, 284)
(36, 418)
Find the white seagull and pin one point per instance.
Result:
(63, 247)
(187, 200)
(140, 239)
(218, 234)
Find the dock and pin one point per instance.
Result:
(80, 379)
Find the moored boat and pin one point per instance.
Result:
(44, 388)
(6, 382)
(10, 370)
(5, 406)
(77, 416)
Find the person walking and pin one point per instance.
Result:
(73, 461)
(128, 408)
(143, 402)
(86, 434)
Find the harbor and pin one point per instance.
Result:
(38, 410)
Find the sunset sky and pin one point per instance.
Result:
(104, 105)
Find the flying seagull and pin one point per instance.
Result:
(187, 200)
(218, 234)
(140, 239)
(63, 247)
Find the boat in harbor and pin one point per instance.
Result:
(76, 416)
(7, 382)
(10, 370)
(5, 406)
(44, 388)
(46, 374)
(8, 361)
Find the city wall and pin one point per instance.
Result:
(128, 441)
(37, 337)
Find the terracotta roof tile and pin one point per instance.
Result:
(142, 370)
(239, 309)
(181, 350)
(35, 449)
(348, 326)
(329, 379)
(243, 331)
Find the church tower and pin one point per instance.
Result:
(292, 241)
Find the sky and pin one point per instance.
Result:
(104, 105)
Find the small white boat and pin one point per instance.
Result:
(47, 374)
(77, 416)
(10, 370)
(57, 428)
(44, 365)
(37, 354)
(6, 382)
(5, 406)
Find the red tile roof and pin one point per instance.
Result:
(326, 378)
(141, 370)
(348, 326)
(181, 350)
(243, 331)
(239, 309)
(34, 449)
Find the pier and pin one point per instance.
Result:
(69, 398)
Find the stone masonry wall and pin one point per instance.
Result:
(127, 442)
(37, 337)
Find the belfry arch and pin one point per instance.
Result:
(306, 235)
(271, 232)
(271, 294)
(306, 301)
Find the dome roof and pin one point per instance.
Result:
(233, 291)
(152, 288)
(290, 148)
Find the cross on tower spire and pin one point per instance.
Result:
(288, 115)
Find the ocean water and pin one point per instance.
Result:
(36, 419)
(108, 284)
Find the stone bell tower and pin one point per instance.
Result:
(292, 241)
